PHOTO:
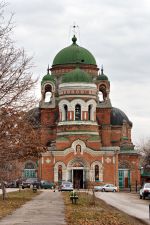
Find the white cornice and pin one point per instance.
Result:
(76, 122)
(111, 148)
(77, 85)
(86, 150)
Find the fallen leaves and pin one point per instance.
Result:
(84, 213)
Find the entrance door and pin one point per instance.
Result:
(78, 178)
(121, 178)
(124, 178)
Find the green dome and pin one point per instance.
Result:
(118, 116)
(76, 75)
(102, 76)
(74, 54)
(48, 77)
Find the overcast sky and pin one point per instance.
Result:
(116, 32)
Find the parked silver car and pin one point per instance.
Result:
(106, 187)
(145, 191)
(98, 188)
(66, 186)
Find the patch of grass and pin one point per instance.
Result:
(97, 212)
(15, 200)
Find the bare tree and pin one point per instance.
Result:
(15, 78)
(19, 138)
(144, 149)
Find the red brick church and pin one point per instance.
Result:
(87, 138)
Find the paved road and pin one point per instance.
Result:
(127, 202)
(45, 209)
(9, 190)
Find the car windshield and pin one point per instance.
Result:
(66, 182)
(147, 185)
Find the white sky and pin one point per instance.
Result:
(116, 32)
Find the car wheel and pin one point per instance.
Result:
(114, 190)
(103, 190)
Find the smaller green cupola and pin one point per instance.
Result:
(78, 76)
(102, 76)
(47, 77)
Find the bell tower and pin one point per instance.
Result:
(48, 109)
(104, 108)
(48, 91)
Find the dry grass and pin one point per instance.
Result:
(85, 212)
(15, 200)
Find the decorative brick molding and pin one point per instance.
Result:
(82, 161)
(46, 83)
(124, 164)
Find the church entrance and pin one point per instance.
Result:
(124, 178)
(78, 178)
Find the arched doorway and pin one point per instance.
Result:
(78, 172)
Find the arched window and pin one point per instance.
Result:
(29, 165)
(96, 172)
(78, 148)
(77, 112)
(48, 93)
(89, 112)
(60, 173)
(100, 96)
(65, 112)
(102, 93)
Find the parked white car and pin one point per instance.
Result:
(106, 187)
(145, 191)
